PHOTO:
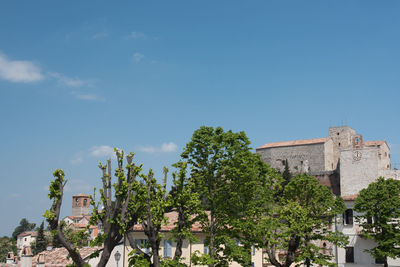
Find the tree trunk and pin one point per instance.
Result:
(181, 225)
(291, 252)
(75, 256)
(212, 231)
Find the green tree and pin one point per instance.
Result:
(223, 175)
(24, 225)
(379, 206)
(118, 215)
(7, 244)
(302, 218)
(186, 203)
(40, 244)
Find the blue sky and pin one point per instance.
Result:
(80, 77)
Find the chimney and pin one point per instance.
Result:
(26, 257)
(10, 258)
(41, 260)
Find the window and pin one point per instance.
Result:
(348, 217)
(143, 245)
(167, 248)
(337, 133)
(254, 250)
(85, 202)
(339, 143)
(380, 261)
(76, 202)
(206, 250)
(283, 162)
(349, 254)
(369, 220)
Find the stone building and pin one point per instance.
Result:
(346, 163)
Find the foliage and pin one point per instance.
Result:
(379, 205)
(24, 226)
(118, 214)
(225, 174)
(138, 259)
(302, 218)
(187, 204)
(41, 242)
(7, 244)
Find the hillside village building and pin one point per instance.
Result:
(344, 162)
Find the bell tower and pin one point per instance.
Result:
(80, 205)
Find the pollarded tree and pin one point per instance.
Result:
(379, 205)
(119, 212)
(302, 218)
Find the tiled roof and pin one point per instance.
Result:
(172, 218)
(80, 195)
(296, 142)
(374, 143)
(29, 233)
(349, 197)
(59, 256)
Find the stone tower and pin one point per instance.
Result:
(80, 205)
(342, 139)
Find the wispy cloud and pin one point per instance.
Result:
(88, 97)
(137, 35)
(14, 195)
(68, 81)
(138, 56)
(99, 35)
(78, 159)
(165, 148)
(19, 71)
(102, 151)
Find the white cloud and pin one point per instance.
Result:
(138, 57)
(165, 148)
(102, 151)
(70, 82)
(76, 161)
(88, 97)
(137, 35)
(169, 147)
(19, 71)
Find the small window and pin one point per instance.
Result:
(349, 254)
(339, 143)
(380, 261)
(206, 250)
(85, 202)
(167, 248)
(385, 154)
(337, 133)
(76, 202)
(348, 217)
(283, 162)
(369, 220)
(25, 239)
(254, 250)
(143, 245)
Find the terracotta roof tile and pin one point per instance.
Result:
(296, 142)
(28, 233)
(59, 256)
(172, 218)
(349, 197)
(80, 195)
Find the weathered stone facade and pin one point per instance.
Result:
(344, 162)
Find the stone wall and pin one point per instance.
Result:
(302, 158)
(358, 168)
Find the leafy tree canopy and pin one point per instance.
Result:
(379, 208)
(24, 225)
